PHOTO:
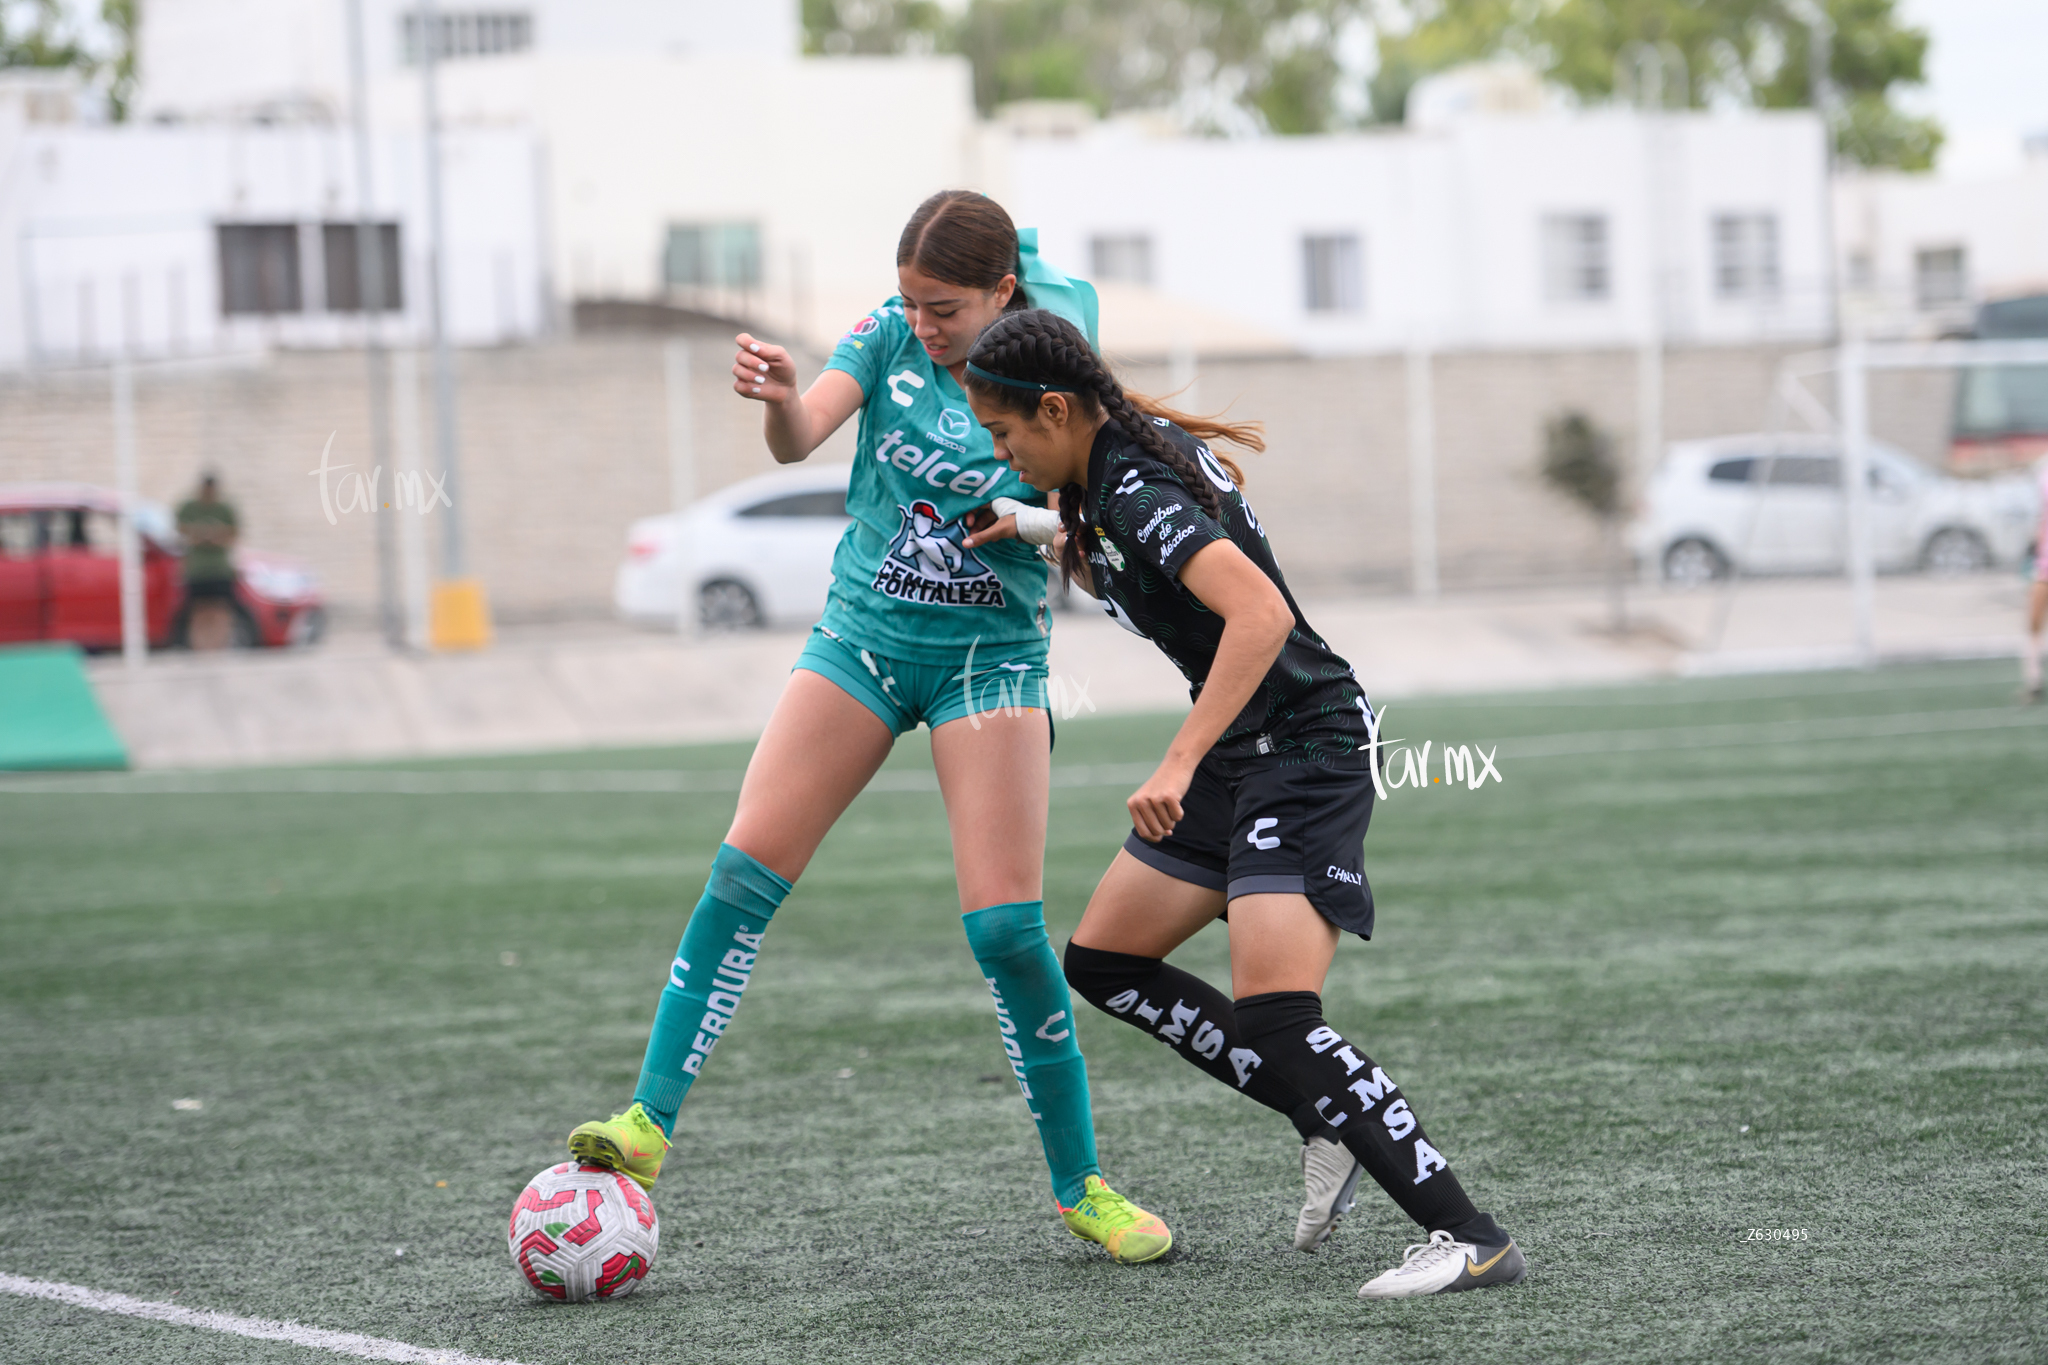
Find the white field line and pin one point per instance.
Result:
(712, 781)
(263, 1329)
(497, 782)
(1768, 732)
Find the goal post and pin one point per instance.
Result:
(1852, 364)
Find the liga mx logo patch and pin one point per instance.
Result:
(928, 563)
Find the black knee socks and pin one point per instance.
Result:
(1368, 1111)
(1190, 1016)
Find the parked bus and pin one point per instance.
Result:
(2001, 416)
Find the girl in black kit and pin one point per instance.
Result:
(1260, 806)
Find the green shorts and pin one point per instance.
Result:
(1004, 678)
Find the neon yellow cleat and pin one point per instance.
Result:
(631, 1143)
(1126, 1232)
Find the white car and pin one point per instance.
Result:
(758, 553)
(1773, 504)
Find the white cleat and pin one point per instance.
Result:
(1331, 1174)
(1444, 1265)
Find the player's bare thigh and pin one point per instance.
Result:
(820, 749)
(2037, 604)
(1140, 910)
(1278, 942)
(994, 771)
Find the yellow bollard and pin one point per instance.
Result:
(459, 616)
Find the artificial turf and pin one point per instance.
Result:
(1714, 959)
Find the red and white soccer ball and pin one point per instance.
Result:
(583, 1232)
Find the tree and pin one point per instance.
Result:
(1749, 52)
(1227, 65)
(51, 34)
(842, 28)
(38, 33)
(1578, 461)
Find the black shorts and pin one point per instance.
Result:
(210, 589)
(1254, 826)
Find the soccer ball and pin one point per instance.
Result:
(583, 1232)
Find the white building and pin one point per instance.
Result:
(689, 153)
(168, 240)
(1920, 252)
(759, 187)
(680, 151)
(288, 59)
(1548, 229)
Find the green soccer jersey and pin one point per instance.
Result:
(903, 583)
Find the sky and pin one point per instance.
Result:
(1987, 78)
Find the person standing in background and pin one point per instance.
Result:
(208, 525)
(2037, 603)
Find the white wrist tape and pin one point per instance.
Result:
(1036, 525)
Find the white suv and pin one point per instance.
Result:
(1772, 504)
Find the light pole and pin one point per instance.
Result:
(460, 616)
(437, 260)
(370, 298)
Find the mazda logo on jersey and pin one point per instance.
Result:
(953, 423)
(927, 562)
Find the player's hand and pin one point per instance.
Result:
(985, 526)
(1155, 807)
(1010, 517)
(763, 371)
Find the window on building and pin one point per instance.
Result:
(467, 33)
(1745, 255)
(1940, 276)
(1333, 273)
(1122, 257)
(723, 255)
(1575, 264)
(259, 268)
(344, 287)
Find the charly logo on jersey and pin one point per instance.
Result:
(902, 377)
(928, 562)
(1213, 467)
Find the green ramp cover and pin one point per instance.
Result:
(49, 717)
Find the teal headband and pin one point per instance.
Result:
(1032, 384)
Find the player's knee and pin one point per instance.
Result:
(1097, 974)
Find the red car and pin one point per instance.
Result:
(60, 575)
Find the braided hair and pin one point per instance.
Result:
(1040, 347)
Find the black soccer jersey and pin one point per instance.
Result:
(1147, 525)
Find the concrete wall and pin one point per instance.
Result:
(564, 444)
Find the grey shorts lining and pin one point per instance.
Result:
(1180, 869)
(1266, 886)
